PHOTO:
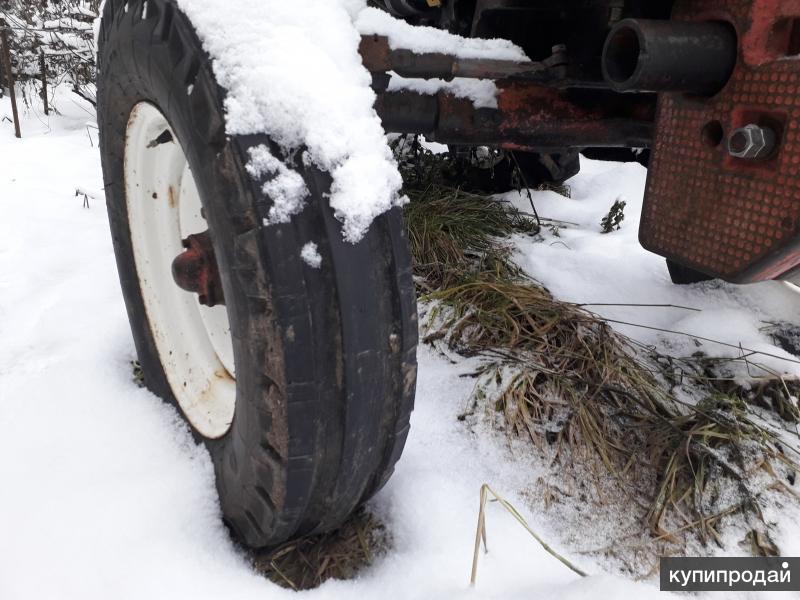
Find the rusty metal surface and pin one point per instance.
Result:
(529, 117)
(537, 117)
(377, 56)
(195, 270)
(734, 218)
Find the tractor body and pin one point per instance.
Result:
(710, 88)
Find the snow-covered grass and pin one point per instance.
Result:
(623, 426)
(611, 272)
(104, 493)
(737, 326)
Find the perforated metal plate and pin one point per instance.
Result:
(733, 218)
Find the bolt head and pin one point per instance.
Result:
(750, 141)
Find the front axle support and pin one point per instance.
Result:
(541, 106)
(528, 117)
(713, 91)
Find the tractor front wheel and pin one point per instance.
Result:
(290, 353)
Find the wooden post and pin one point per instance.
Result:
(43, 68)
(9, 77)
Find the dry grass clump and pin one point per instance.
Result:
(443, 240)
(308, 562)
(773, 394)
(563, 378)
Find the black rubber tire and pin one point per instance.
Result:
(627, 155)
(536, 169)
(681, 275)
(325, 358)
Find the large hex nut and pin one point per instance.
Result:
(751, 141)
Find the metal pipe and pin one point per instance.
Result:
(378, 56)
(555, 71)
(533, 123)
(408, 112)
(642, 55)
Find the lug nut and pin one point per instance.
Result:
(751, 142)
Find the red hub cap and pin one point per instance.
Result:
(195, 270)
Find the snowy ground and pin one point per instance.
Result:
(581, 264)
(104, 494)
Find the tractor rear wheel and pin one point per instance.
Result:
(290, 353)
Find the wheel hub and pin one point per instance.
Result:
(195, 270)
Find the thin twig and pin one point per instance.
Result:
(639, 305)
(521, 174)
(705, 339)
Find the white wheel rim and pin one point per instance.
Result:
(193, 341)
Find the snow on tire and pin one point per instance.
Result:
(302, 384)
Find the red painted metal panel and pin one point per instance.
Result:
(734, 218)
